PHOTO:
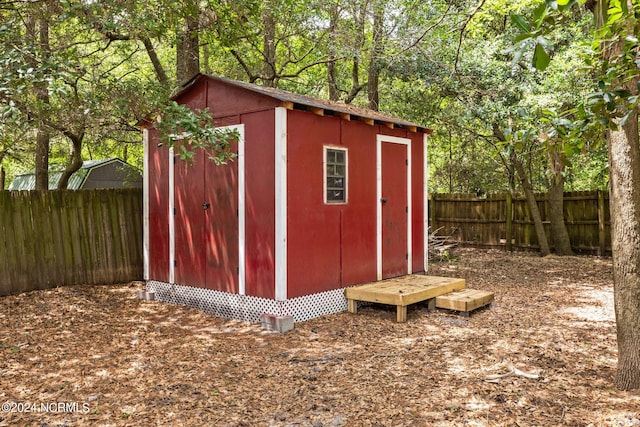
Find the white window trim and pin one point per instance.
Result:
(324, 173)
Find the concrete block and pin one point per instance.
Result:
(150, 296)
(280, 324)
(142, 294)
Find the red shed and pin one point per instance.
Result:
(321, 196)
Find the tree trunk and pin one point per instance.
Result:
(559, 233)
(359, 16)
(187, 50)
(269, 46)
(373, 81)
(624, 166)
(157, 65)
(331, 57)
(532, 203)
(75, 163)
(528, 192)
(42, 95)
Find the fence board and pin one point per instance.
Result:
(53, 238)
(494, 220)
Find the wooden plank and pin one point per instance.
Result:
(405, 290)
(317, 111)
(401, 315)
(465, 300)
(352, 306)
(389, 125)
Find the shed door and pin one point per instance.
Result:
(221, 216)
(189, 221)
(206, 224)
(394, 209)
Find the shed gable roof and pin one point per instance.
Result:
(27, 180)
(291, 100)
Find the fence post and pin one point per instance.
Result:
(509, 222)
(601, 224)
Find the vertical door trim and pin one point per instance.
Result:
(407, 143)
(281, 203)
(172, 218)
(242, 253)
(145, 203)
(425, 196)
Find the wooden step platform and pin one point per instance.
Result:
(402, 291)
(465, 300)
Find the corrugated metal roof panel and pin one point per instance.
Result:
(27, 181)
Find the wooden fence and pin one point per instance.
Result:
(51, 238)
(500, 219)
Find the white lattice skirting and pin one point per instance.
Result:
(248, 308)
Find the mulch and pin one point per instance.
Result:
(98, 356)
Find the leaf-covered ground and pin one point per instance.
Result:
(115, 360)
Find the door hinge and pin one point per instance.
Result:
(237, 270)
(406, 162)
(406, 209)
(175, 211)
(406, 256)
(175, 263)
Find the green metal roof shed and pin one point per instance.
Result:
(104, 173)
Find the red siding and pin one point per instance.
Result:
(225, 100)
(313, 228)
(259, 203)
(195, 98)
(359, 215)
(158, 209)
(332, 246)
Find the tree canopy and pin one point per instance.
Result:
(83, 74)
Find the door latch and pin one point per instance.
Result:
(205, 206)
(383, 201)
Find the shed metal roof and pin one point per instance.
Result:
(291, 100)
(27, 180)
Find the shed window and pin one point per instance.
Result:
(335, 175)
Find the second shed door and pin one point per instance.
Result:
(394, 166)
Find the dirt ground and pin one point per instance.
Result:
(110, 359)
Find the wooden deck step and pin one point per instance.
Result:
(464, 300)
(402, 291)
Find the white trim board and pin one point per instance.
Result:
(281, 203)
(145, 203)
(172, 217)
(380, 139)
(242, 243)
(425, 195)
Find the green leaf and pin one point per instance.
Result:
(520, 22)
(625, 119)
(540, 58)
